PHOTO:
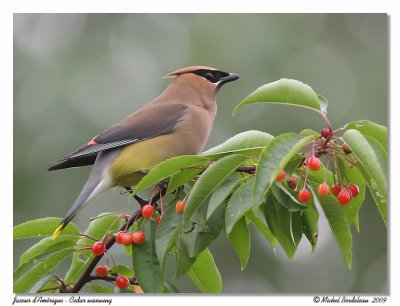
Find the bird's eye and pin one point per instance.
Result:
(209, 76)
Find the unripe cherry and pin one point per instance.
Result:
(122, 282)
(147, 211)
(336, 188)
(98, 248)
(344, 197)
(292, 182)
(126, 239)
(304, 195)
(281, 176)
(102, 271)
(314, 163)
(323, 189)
(326, 133)
(118, 237)
(180, 206)
(138, 238)
(354, 189)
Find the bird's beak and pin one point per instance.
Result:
(229, 78)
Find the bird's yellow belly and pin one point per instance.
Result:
(137, 159)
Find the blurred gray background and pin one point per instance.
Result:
(77, 74)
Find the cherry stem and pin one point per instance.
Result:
(326, 121)
(86, 236)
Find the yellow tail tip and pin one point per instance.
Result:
(57, 231)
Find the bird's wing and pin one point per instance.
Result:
(146, 123)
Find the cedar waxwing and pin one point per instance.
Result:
(178, 122)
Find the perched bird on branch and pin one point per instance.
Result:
(177, 122)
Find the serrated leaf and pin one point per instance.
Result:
(273, 159)
(370, 129)
(47, 245)
(166, 233)
(239, 237)
(183, 261)
(337, 219)
(285, 91)
(372, 160)
(222, 193)
(286, 199)
(167, 168)
(42, 227)
(249, 143)
(27, 275)
(309, 219)
(262, 227)
(97, 229)
(209, 181)
(286, 226)
(238, 205)
(185, 176)
(205, 274)
(198, 233)
(145, 261)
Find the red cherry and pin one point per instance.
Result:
(353, 189)
(292, 182)
(346, 149)
(102, 271)
(118, 237)
(323, 189)
(326, 133)
(147, 211)
(122, 282)
(304, 195)
(180, 206)
(314, 163)
(281, 176)
(344, 197)
(336, 188)
(158, 219)
(126, 239)
(98, 248)
(138, 238)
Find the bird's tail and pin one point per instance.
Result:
(99, 181)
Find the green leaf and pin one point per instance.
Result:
(97, 229)
(122, 270)
(273, 159)
(27, 275)
(204, 273)
(238, 205)
(337, 219)
(198, 233)
(249, 143)
(286, 226)
(240, 240)
(209, 181)
(370, 129)
(43, 227)
(309, 219)
(183, 261)
(186, 175)
(170, 288)
(166, 169)
(373, 166)
(145, 261)
(262, 227)
(47, 245)
(285, 91)
(100, 289)
(286, 199)
(167, 231)
(222, 193)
